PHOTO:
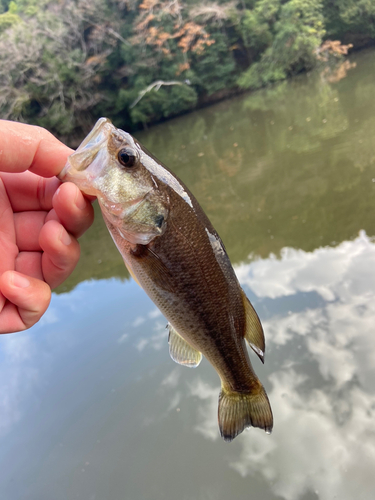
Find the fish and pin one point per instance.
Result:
(174, 253)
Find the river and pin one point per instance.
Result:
(92, 407)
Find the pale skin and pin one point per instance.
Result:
(40, 221)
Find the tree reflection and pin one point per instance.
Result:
(289, 166)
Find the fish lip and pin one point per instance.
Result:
(100, 124)
(91, 144)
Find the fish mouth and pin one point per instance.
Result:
(95, 136)
(86, 152)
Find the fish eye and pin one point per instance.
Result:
(126, 157)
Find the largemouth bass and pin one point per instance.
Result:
(172, 250)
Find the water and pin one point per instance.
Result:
(91, 405)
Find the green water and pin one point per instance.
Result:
(92, 405)
(288, 166)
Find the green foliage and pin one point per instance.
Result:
(299, 32)
(255, 27)
(49, 74)
(262, 73)
(9, 18)
(356, 17)
(214, 69)
(256, 32)
(63, 64)
(167, 101)
(296, 35)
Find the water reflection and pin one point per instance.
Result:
(311, 450)
(93, 407)
(18, 376)
(101, 389)
(322, 394)
(293, 165)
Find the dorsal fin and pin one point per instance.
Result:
(254, 331)
(182, 352)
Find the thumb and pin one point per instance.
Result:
(27, 300)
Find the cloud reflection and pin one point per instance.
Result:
(310, 449)
(18, 376)
(321, 364)
(341, 271)
(207, 412)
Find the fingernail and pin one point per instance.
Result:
(80, 201)
(65, 238)
(56, 194)
(20, 281)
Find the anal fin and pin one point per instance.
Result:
(180, 351)
(254, 331)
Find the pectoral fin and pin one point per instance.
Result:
(254, 331)
(182, 352)
(156, 269)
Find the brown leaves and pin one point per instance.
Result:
(332, 48)
(193, 37)
(152, 23)
(148, 4)
(182, 67)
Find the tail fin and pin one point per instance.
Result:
(238, 410)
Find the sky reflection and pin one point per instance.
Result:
(93, 407)
(95, 371)
(322, 394)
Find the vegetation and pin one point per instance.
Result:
(63, 63)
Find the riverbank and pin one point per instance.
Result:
(142, 62)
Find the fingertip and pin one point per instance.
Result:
(28, 299)
(61, 252)
(69, 192)
(80, 201)
(73, 209)
(54, 239)
(64, 237)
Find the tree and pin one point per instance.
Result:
(51, 64)
(297, 34)
(63, 64)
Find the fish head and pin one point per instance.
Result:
(109, 164)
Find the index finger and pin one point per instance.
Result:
(28, 147)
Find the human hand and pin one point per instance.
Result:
(40, 221)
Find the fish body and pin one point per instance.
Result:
(174, 253)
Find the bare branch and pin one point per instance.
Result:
(156, 86)
(212, 11)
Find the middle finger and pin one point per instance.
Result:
(28, 226)
(72, 209)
